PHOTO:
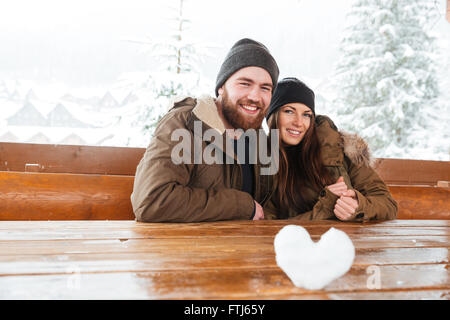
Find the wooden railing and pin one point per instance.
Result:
(60, 182)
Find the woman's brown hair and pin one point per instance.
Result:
(300, 167)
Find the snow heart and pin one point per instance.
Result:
(312, 265)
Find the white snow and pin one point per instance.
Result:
(304, 43)
(313, 265)
(390, 81)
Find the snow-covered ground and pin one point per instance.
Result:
(95, 119)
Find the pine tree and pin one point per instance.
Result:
(386, 77)
(179, 58)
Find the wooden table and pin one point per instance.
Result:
(221, 260)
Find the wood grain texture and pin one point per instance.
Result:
(52, 196)
(59, 182)
(412, 172)
(123, 161)
(51, 158)
(134, 257)
(216, 260)
(181, 231)
(416, 202)
(213, 284)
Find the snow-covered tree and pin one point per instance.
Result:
(179, 58)
(386, 76)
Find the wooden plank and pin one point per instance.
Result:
(183, 257)
(50, 196)
(222, 260)
(64, 230)
(230, 232)
(134, 225)
(363, 235)
(211, 283)
(412, 172)
(69, 159)
(359, 240)
(422, 202)
(369, 295)
(123, 161)
(443, 184)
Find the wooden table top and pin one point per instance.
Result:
(220, 260)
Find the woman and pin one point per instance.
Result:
(323, 174)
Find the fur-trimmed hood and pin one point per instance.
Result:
(334, 144)
(356, 149)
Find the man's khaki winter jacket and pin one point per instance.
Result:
(168, 192)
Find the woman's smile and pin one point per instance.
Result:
(293, 132)
(294, 122)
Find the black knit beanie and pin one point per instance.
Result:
(291, 90)
(247, 53)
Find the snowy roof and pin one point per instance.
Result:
(8, 137)
(61, 117)
(39, 138)
(130, 98)
(28, 115)
(31, 95)
(108, 101)
(59, 135)
(73, 139)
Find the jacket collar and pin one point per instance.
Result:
(206, 111)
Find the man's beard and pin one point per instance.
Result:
(236, 119)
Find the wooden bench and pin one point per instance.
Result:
(420, 187)
(60, 182)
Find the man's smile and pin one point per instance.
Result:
(249, 109)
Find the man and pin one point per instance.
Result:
(168, 191)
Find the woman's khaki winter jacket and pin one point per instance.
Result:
(344, 155)
(165, 191)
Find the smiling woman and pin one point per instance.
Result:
(294, 121)
(319, 178)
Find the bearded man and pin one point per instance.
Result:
(168, 191)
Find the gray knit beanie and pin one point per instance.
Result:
(247, 53)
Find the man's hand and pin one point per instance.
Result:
(346, 205)
(339, 187)
(259, 212)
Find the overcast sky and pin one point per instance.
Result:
(83, 42)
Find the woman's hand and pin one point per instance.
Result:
(259, 212)
(339, 187)
(346, 205)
